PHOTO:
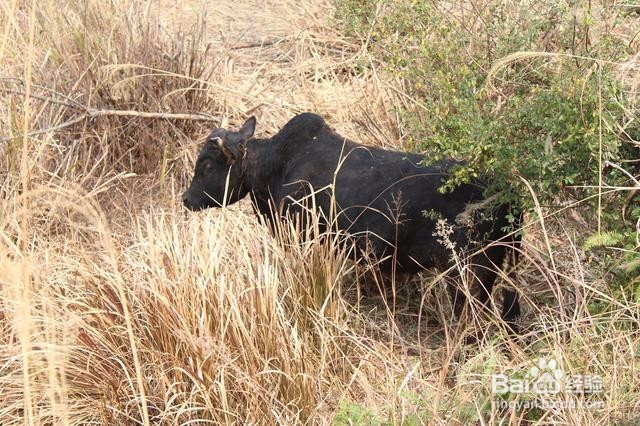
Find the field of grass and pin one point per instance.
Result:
(117, 306)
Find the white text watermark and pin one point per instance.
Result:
(547, 381)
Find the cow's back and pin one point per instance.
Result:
(385, 197)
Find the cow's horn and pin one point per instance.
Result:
(227, 153)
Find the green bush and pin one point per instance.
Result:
(550, 120)
(525, 91)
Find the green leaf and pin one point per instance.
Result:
(603, 239)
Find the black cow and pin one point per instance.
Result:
(387, 201)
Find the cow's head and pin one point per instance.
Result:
(219, 176)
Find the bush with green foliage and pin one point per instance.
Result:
(551, 120)
(552, 114)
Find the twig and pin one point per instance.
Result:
(632, 194)
(19, 82)
(91, 113)
(94, 113)
(51, 100)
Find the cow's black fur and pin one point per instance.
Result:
(386, 200)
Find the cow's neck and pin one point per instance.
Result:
(264, 167)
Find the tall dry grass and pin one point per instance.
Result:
(117, 307)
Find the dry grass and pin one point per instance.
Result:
(117, 307)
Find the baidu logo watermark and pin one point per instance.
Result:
(546, 380)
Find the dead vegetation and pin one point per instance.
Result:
(117, 307)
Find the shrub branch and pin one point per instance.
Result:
(88, 113)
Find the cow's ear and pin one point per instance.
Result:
(248, 128)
